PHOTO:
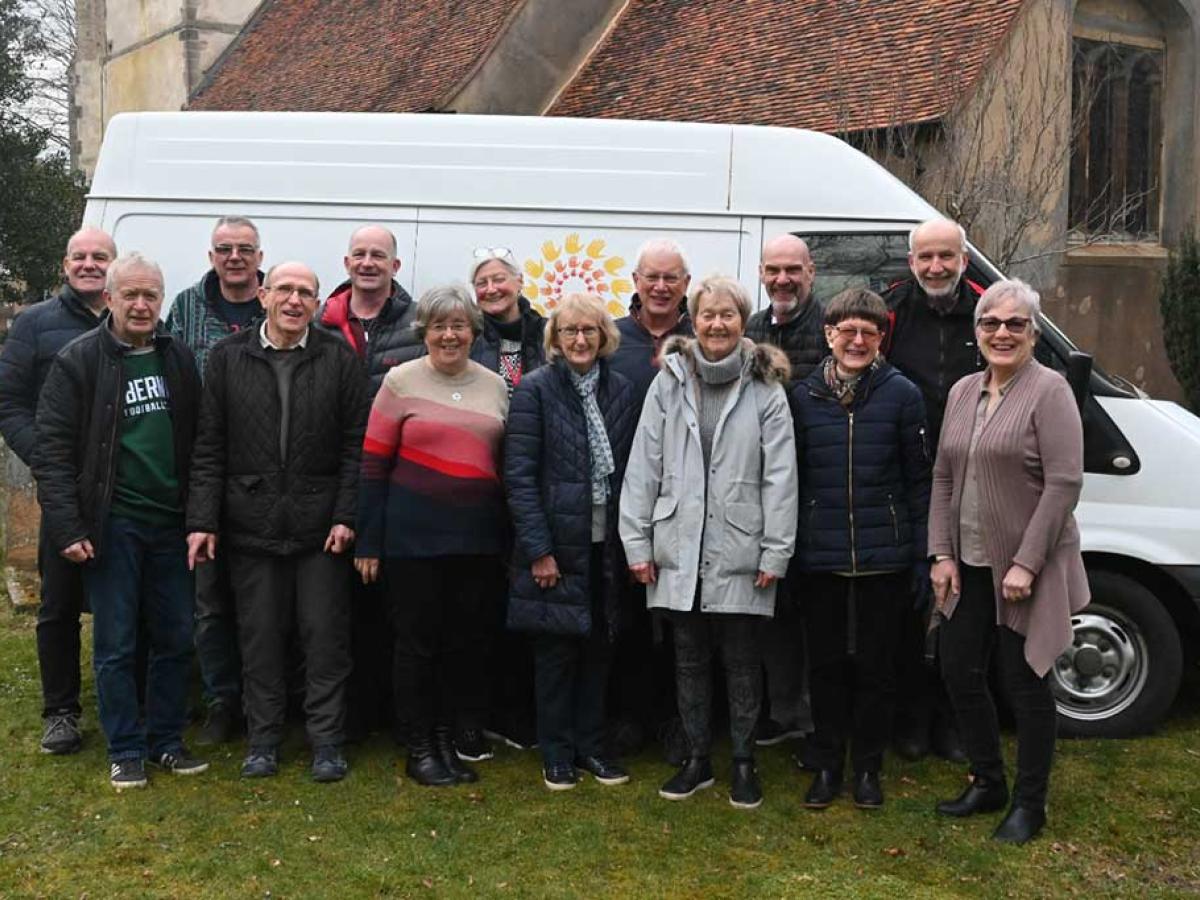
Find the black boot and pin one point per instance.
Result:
(981, 795)
(695, 775)
(1020, 825)
(425, 765)
(744, 789)
(443, 738)
(868, 794)
(825, 787)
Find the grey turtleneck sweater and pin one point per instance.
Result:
(716, 381)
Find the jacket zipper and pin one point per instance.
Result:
(895, 523)
(850, 492)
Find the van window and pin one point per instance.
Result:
(874, 261)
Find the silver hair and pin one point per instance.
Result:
(129, 262)
(444, 300)
(586, 305)
(662, 245)
(1016, 289)
(361, 228)
(962, 232)
(271, 271)
(237, 222)
(724, 286)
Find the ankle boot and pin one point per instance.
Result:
(443, 738)
(981, 795)
(424, 764)
(1022, 824)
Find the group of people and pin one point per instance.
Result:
(478, 513)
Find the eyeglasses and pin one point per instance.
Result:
(286, 290)
(670, 279)
(1015, 325)
(850, 332)
(493, 253)
(449, 327)
(570, 332)
(239, 249)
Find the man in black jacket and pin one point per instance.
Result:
(794, 322)
(115, 429)
(931, 341)
(275, 477)
(374, 315)
(36, 336)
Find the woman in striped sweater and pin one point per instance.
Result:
(432, 506)
(1007, 573)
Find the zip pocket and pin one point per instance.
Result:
(895, 521)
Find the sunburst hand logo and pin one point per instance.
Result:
(576, 268)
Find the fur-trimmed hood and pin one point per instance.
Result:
(764, 362)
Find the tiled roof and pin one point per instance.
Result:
(830, 65)
(356, 55)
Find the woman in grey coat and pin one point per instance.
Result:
(1007, 573)
(708, 518)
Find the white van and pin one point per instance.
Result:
(573, 199)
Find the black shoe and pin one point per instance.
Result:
(695, 775)
(825, 787)
(61, 734)
(261, 762)
(980, 796)
(180, 762)
(1020, 825)
(127, 773)
(448, 754)
(559, 776)
(772, 733)
(424, 765)
(221, 725)
(946, 742)
(602, 770)
(867, 792)
(329, 764)
(471, 746)
(676, 749)
(744, 789)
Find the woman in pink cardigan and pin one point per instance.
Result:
(1007, 571)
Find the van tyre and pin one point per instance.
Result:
(1123, 669)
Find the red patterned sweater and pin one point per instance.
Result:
(431, 462)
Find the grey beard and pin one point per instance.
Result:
(941, 295)
(787, 309)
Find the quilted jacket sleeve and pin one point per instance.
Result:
(18, 399)
(524, 445)
(54, 464)
(208, 458)
(354, 422)
(914, 461)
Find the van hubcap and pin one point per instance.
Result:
(1105, 668)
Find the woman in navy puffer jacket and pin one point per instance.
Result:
(864, 499)
(570, 427)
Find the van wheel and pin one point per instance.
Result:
(1121, 673)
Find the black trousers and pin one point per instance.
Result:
(509, 705)
(851, 625)
(642, 686)
(310, 591)
(442, 610)
(61, 605)
(571, 679)
(369, 701)
(966, 644)
(783, 638)
(217, 634)
(737, 638)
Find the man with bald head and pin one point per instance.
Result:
(932, 342)
(274, 489)
(34, 339)
(370, 309)
(222, 302)
(793, 320)
(115, 427)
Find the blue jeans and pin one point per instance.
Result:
(141, 572)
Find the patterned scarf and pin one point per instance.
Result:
(602, 458)
(845, 391)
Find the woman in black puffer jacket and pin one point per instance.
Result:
(570, 426)
(864, 499)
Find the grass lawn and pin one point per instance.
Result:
(1124, 821)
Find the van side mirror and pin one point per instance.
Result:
(1079, 375)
